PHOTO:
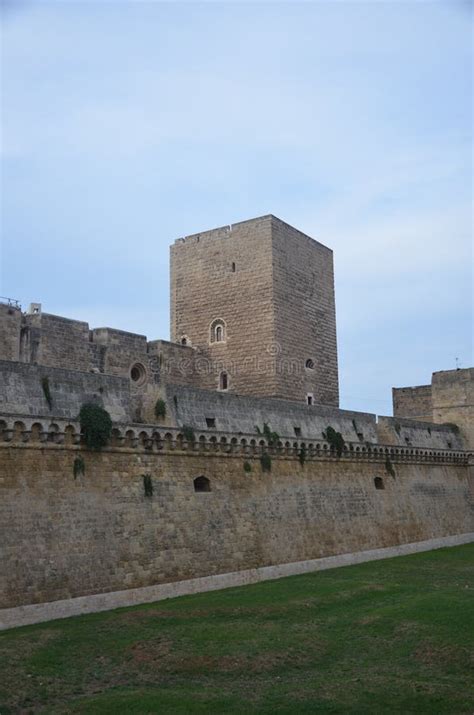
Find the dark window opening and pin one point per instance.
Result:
(233, 268)
(202, 484)
(450, 445)
(184, 341)
(223, 381)
(309, 399)
(360, 436)
(378, 481)
(138, 373)
(309, 364)
(297, 431)
(407, 440)
(210, 422)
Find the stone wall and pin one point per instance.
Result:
(305, 316)
(409, 433)
(453, 400)
(21, 391)
(449, 399)
(10, 324)
(414, 402)
(64, 537)
(242, 414)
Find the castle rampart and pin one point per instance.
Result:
(99, 532)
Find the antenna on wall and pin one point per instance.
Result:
(458, 366)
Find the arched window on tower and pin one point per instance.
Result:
(217, 331)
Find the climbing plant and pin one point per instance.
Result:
(188, 433)
(389, 466)
(47, 391)
(160, 409)
(78, 466)
(266, 462)
(302, 455)
(267, 432)
(148, 485)
(96, 425)
(335, 439)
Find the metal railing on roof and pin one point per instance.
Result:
(10, 301)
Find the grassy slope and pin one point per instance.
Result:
(390, 636)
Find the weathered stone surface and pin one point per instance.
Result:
(64, 537)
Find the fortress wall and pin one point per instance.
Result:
(239, 413)
(414, 402)
(64, 537)
(57, 341)
(453, 400)
(407, 432)
(21, 391)
(10, 325)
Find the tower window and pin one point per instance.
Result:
(223, 381)
(378, 481)
(210, 422)
(309, 399)
(233, 267)
(217, 332)
(309, 364)
(184, 341)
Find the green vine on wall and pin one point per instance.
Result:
(266, 462)
(47, 391)
(302, 455)
(267, 432)
(188, 433)
(96, 425)
(160, 409)
(78, 466)
(389, 467)
(335, 440)
(147, 485)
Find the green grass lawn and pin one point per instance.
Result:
(392, 636)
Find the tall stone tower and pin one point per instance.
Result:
(256, 301)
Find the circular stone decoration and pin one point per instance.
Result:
(138, 373)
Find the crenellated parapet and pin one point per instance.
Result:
(46, 432)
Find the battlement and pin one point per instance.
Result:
(16, 430)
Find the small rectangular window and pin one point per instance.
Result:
(210, 422)
(297, 431)
(309, 399)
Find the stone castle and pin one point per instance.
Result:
(180, 499)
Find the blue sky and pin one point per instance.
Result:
(129, 124)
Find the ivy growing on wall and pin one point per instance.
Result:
(266, 462)
(188, 433)
(96, 425)
(267, 432)
(160, 409)
(47, 391)
(335, 440)
(78, 466)
(147, 485)
(389, 467)
(247, 467)
(302, 455)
